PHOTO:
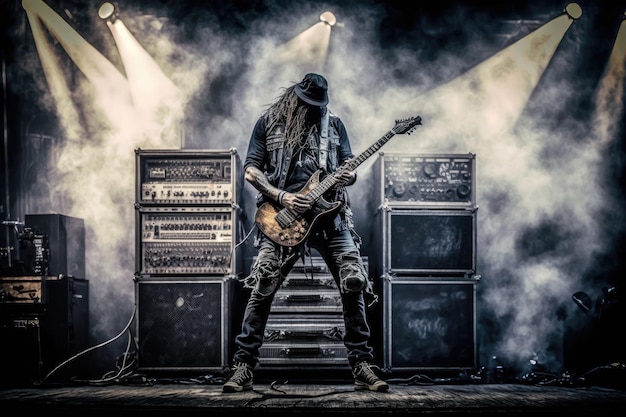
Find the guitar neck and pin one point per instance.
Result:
(330, 180)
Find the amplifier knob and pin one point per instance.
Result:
(430, 170)
(399, 190)
(464, 190)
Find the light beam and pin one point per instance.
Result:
(493, 94)
(310, 48)
(156, 99)
(609, 106)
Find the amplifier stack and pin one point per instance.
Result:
(187, 218)
(305, 328)
(424, 256)
(44, 299)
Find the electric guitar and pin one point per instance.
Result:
(287, 227)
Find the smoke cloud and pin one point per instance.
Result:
(544, 191)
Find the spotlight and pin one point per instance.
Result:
(108, 12)
(328, 18)
(573, 10)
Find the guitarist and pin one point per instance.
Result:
(295, 138)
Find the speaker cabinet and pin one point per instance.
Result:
(65, 326)
(426, 242)
(37, 335)
(20, 350)
(66, 239)
(183, 324)
(429, 324)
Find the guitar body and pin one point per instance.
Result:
(288, 228)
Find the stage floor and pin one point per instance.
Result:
(196, 396)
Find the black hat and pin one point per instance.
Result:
(313, 89)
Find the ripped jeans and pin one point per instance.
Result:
(272, 265)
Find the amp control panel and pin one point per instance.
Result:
(426, 180)
(186, 240)
(187, 177)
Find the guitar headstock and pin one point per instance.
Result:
(407, 125)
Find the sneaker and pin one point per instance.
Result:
(366, 378)
(239, 379)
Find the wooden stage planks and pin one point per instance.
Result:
(318, 400)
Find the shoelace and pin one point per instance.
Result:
(241, 373)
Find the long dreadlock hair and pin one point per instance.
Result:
(288, 110)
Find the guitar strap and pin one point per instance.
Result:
(323, 157)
